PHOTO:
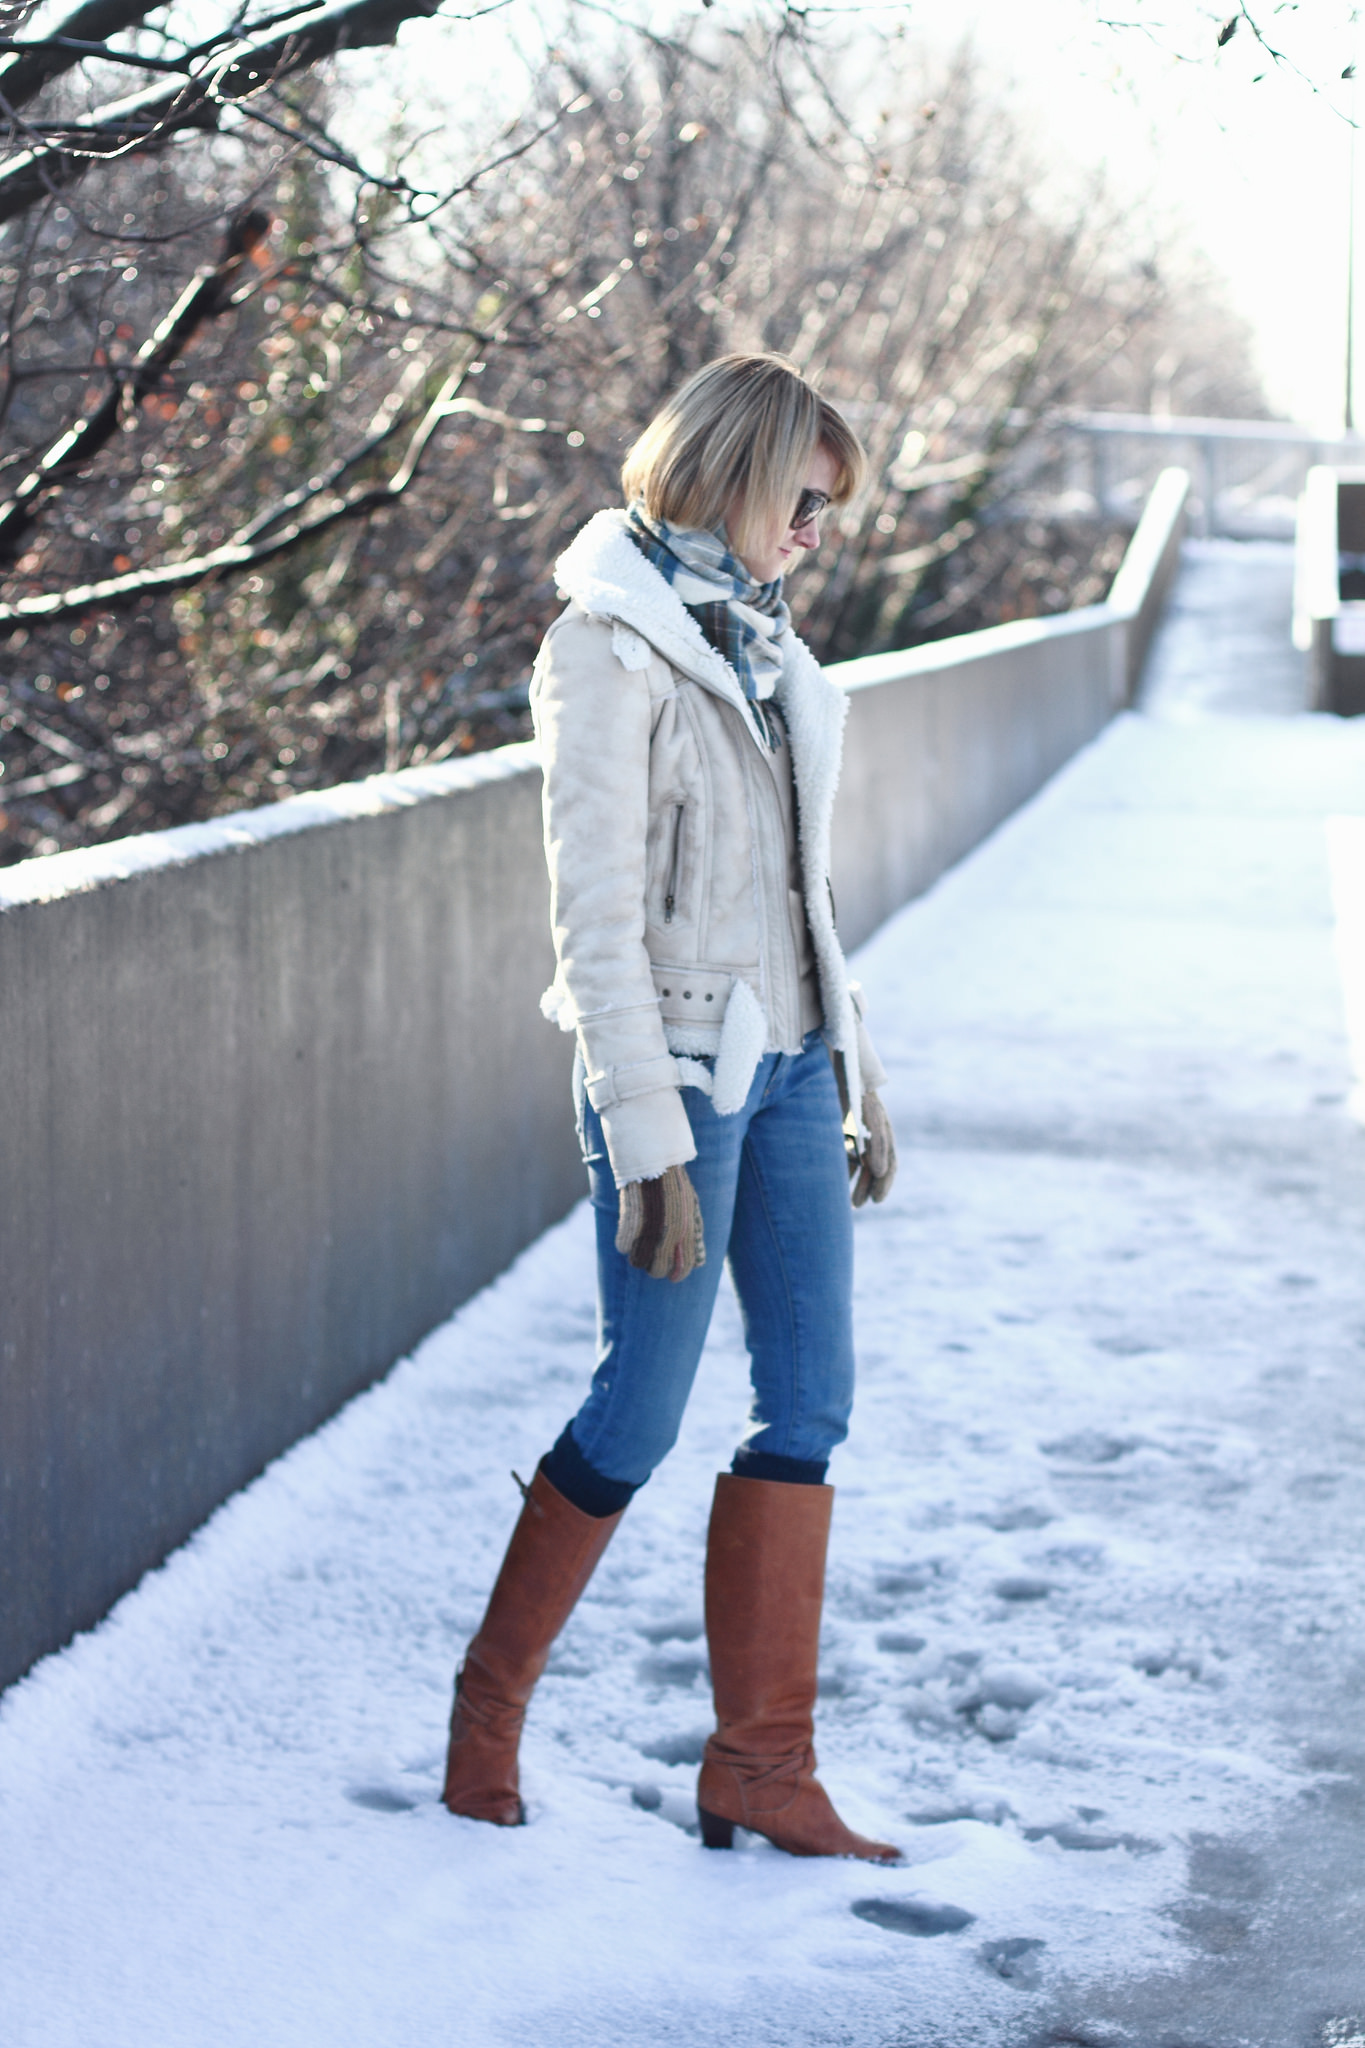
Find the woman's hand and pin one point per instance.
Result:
(876, 1168)
(659, 1227)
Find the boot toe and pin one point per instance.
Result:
(876, 1852)
(500, 1810)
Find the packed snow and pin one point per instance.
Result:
(1092, 1650)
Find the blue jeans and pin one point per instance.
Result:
(773, 1187)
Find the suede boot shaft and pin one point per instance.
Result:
(553, 1553)
(765, 1580)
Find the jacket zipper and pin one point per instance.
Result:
(671, 898)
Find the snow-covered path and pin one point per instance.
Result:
(1093, 1648)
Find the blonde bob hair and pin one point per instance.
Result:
(732, 447)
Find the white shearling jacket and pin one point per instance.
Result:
(668, 857)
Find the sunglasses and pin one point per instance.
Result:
(809, 506)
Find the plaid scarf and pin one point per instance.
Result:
(742, 619)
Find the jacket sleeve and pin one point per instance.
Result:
(593, 720)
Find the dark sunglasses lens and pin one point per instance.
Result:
(809, 506)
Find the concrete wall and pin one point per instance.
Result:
(1148, 570)
(945, 741)
(277, 1093)
(273, 1105)
(935, 758)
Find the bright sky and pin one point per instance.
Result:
(1258, 170)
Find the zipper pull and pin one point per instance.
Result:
(671, 898)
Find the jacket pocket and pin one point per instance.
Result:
(671, 868)
(673, 871)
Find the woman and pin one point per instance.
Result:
(690, 748)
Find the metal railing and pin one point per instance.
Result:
(1246, 475)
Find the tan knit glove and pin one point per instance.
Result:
(876, 1167)
(659, 1226)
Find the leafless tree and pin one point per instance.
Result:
(296, 426)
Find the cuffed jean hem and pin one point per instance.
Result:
(581, 1484)
(747, 1464)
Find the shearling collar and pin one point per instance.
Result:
(603, 571)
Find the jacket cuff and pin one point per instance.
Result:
(647, 1134)
(636, 1077)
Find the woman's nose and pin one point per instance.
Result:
(807, 536)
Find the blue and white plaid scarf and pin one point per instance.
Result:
(742, 619)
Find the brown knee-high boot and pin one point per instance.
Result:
(553, 1553)
(765, 1582)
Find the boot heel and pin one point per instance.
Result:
(715, 1832)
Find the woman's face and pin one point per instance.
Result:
(781, 552)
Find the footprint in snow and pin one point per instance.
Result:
(679, 1669)
(1225, 1870)
(991, 1812)
(379, 1799)
(1215, 1929)
(678, 1808)
(683, 1628)
(1006, 1520)
(914, 1916)
(1012, 1686)
(891, 1589)
(1315, 1485)
(1068, 1836)
(676, 1749)
(914, 1578)
(1022, 1588)
(1090, 1447)
(997, 1698)
(1085, 1557)
(1156, 1663)
(997, 1724)
(1016, 1960)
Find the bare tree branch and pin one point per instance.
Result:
(240, 553)
(78, 52)
(150, 119)
(204, 298)
(24, 73)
